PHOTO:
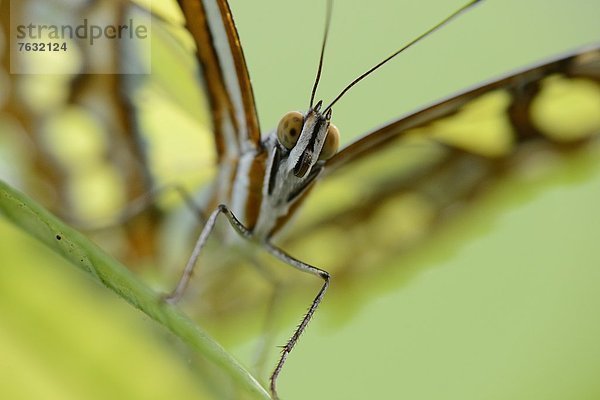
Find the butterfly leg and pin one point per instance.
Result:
(286, 258)
(274, 251)
(177, 293)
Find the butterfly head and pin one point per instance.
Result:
(310, 138)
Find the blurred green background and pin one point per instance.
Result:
(501, 304)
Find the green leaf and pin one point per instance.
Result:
(78, 250)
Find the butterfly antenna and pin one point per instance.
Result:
(418, 38)
(327, 24)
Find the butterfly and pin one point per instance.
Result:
(429, 156)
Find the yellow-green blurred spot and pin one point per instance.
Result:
(74, 138)
(481, 126)
(567, 109)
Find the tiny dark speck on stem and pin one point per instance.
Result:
(58, 237)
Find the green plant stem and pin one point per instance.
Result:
(76, 248)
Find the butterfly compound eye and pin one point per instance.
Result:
(332, 143)
(289, 128)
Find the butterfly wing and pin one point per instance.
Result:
(225, 74)
(81, 135)
(520, 90)
(95, 137)
(395, 184)
(89, 145)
